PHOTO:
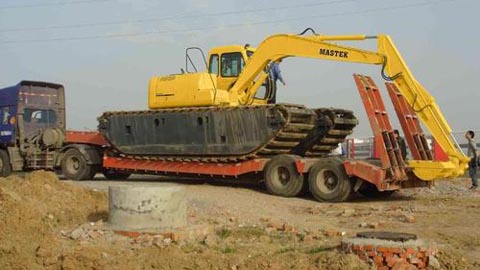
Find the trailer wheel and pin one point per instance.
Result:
(328, 181)
(371, 191)
(282, 177)
(5, 166)
(75, 166)
(115, 175)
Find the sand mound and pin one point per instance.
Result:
(33, 208)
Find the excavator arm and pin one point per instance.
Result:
(393, 68)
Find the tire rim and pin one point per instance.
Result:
(327, 181)
(282, 175)
(73, 165)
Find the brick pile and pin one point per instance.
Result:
(390, 255)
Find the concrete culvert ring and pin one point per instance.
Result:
(282, 177)
(328, 181)
(147, 208)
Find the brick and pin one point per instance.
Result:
(378, 260)
(387, 255)
(410, 251)
(383, 249)
(128, 234)
(383, 268)
(414, 260)
(396, 250)
(368, 247)
(421, 264)
(421, 254)
(357, 247)
(371, 254)
(175, 237)
(332, 233)
(391, 261)
(362, 256)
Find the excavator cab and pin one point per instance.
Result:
(227, 63)
(193, 88)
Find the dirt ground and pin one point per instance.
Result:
(46, 223)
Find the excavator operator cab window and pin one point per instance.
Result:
(232, 64)
(213, 65)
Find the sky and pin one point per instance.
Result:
(105, 51)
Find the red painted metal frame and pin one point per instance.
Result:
(86, 137)
(386, 145)
(410, 125)
(193, 168)
(371, 173)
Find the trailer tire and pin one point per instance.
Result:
(115, 175)
(282, 177)
(5, 166)
(328, 181)
(75, 166)
(371, 191)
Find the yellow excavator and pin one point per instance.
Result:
(222, 115)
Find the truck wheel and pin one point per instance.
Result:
(5, 166)
(371, 191)
(115, 175)
(75, 166)
(282, 177)
(328, 181)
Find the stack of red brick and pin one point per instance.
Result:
(387, 257)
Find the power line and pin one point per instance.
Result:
(108, 36)
(177, 17)
(63, 3)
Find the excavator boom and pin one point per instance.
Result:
(393, 69)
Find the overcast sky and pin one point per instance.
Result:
(105, 51)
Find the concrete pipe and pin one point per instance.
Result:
(147, 208)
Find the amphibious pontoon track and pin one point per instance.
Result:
(217, 134)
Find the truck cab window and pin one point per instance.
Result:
(39, 116)
(232, 64)
(5, 115)
(213, 65)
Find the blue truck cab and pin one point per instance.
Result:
(32, 125)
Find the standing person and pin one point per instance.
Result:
(472, 153)
(402, 144)
(276, 74)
